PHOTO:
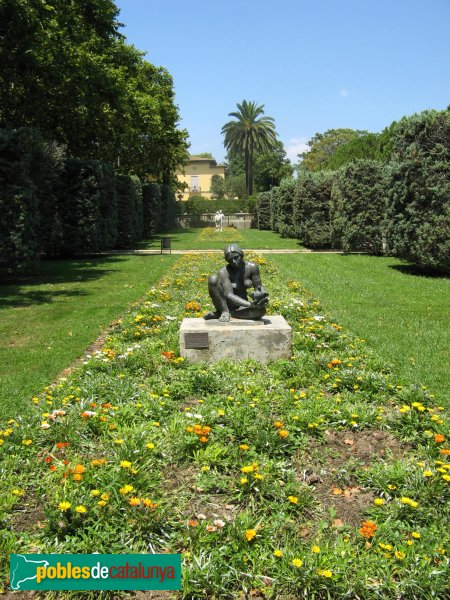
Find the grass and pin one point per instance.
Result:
(208, 239)
(314, 477)
(49, 318)
(404, 316)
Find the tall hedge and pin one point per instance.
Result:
(86, 209)
(311, 209)
(130, 213)
(151, 209)
(23, 165)
(168, 207)
(418, 224)
(359, 207)
(263, 210)
(283, 213)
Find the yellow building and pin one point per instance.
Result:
(196, 176)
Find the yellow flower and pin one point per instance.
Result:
(63, 506)
(428, 473)
(126, 489)
(102, 502)
(250, 534)
(243, 447)
(297, 562)
(259, 476)
(278, 553)
(95, 493)
(293, 499)
(18, 492)
(26, 442)
(315, 549)
(409, 502)
(399, 555)
(150, 445)
(379, 501)
(80, 509)
(134, 501)
(118, 441)
(391, 486)
(324, 573)
(104, 496)
(125, 464)
(416, 535)
(244, 480)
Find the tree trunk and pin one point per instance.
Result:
(250, 172)
(247, 170)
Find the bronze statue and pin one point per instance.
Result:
(228, 289)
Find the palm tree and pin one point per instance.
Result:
(248, 134)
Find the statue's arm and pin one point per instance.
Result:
(260, 295)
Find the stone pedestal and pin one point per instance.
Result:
(211, 341)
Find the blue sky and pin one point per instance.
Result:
(314, 64)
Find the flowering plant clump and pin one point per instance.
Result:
(232, 465)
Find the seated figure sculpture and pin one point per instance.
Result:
(228, 289)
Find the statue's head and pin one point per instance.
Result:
(234, 255)
(232, 248)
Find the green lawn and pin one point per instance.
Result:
(209, 239)
(48, 319)
(404, 317)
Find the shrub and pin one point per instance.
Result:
(263, 210)
(151, 209)
(130, 213)
(283, 214)
(418, 226)
(24, 165)
(311, 209)
(358, 207)
(86, 208)
(168, 207)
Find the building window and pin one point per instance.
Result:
(195, 183)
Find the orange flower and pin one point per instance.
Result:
(80, 469)
(368, 529)
(78, 477)
(283, 433)
(203, 439)
(439, 438)
(192, 523)
(167, 355)
(278, 424)
(445, 451)
(60, 445)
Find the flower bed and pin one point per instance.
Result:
(314, 475)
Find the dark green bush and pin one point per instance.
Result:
(24, 166)
(130, 213)
(151, 209)
(263, 210)
(311, 209)
(85, 209)
(359, 207)
(168, 207)
(419, 191)
(283, 214)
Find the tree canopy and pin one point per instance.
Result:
(324, 145)
(67, 71)
(249, 133)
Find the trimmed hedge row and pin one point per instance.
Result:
(52, 206)
(400, 207)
